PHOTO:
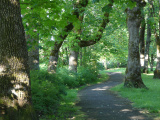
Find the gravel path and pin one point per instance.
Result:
(98, 103)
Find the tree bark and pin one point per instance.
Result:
(142, 43)
(73, 60)
(152, 61)
(33, 53)
(145, 69)
(15, 87)
(157, 70)
(133, 71)
(53, 59)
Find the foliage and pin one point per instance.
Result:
(47, 92)
(67, 78)
(86, 75)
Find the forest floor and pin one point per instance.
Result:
(97, 102)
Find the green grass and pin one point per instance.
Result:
(146, 99)
(122, 70)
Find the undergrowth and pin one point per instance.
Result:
(54, 95)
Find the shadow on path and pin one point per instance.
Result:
(98, 103)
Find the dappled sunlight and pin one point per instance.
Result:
(99, 89)
(118, 105)
(137, 118)
(2, 68)
(150, 74)
(126, 110)
(14, 2)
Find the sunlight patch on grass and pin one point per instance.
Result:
(121, 70)
(142, 98)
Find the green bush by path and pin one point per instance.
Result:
(47, 92)
(54, 95)
(142, 98)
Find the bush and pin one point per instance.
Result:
(86, 75)
(67, 78)
(46, 92)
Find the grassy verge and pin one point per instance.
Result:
(149, 100)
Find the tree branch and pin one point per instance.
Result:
(105, 21)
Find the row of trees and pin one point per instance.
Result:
(81, 23)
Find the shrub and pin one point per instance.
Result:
(86, 75)
(46, 92)
(67, 78)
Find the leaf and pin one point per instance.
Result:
(106, 9)
(95, 1)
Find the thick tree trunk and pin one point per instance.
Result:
(142, 43)
(145, 69)
(133, 71)
(15, 91)
(33, 53)
(73, 60)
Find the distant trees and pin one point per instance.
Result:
(15, 91)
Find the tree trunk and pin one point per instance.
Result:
(152, 61)
(33, 44)
(157, 70)
(67, 57)
(133, 71)
(73, 60)
(145, 69)
(79, 9)
(53, 59)
(15, 91)
(142, 43)
(80, 55)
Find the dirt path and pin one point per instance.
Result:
(98, 103)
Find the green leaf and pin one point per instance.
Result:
(95, 1)
(106, 9)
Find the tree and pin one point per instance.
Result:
(91, 40)
(142, 43)
(78, 9)
(33, 53)
(133, 71)
(15, 91)
(145, 69)
(157, 70)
